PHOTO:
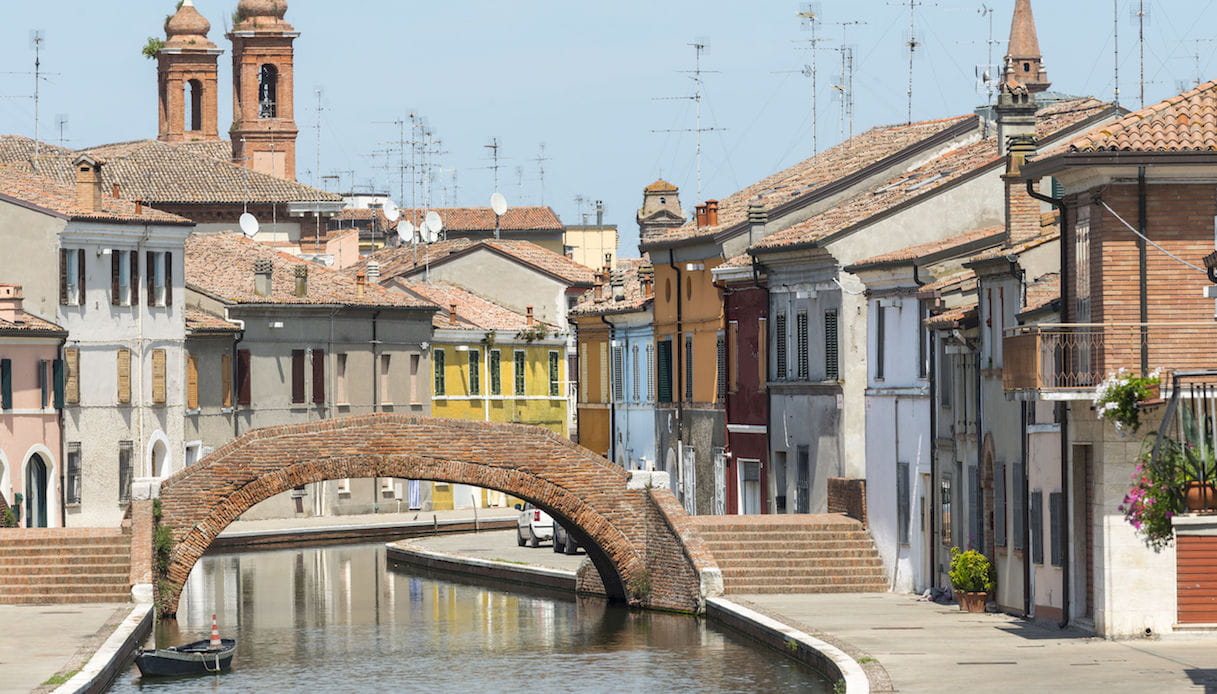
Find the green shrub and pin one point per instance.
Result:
(971, 571)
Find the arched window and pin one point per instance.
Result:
(194, 104)
(268, 92)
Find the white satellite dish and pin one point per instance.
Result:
(405, 231)
(391, 212)
(498, 203)
(249, 224)
(434, 223)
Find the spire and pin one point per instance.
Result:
(1024, 63)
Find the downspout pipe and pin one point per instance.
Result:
(236, 386)
(1062, 415)
(678, 347)
(1142, 267)
(612, 447)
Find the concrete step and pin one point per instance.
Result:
(67, 598)
(41, 567)
(9, 542)
(788, 553)
(75, 558)
(789, 546)
(114, 576)
(744, 588)
(740, 566)
(751, 535)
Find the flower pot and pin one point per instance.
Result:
(972, 601)
(1200, 496)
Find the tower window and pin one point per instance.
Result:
(194, 101)
(268, 92)
(1026, 67)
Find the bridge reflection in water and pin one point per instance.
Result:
(337, 619)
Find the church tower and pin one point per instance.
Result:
(660, 209)
(264, 129)
(186, 79)
(1024, 64)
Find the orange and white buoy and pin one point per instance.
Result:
(215, 633)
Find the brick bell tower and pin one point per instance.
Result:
(264, 129)
(186, 79)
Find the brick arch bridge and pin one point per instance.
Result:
(639, 540)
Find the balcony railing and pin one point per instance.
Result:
(1077, 356)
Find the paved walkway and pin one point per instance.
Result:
(371, 519)
(40, 641)
(499, 545)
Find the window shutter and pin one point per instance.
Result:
(604, 373)
(1019, 508)
(57, 369)
(832, 371)
(976, 538)
(475, 372)
(192, 382)
(319, 376)
(80, 277)
(721, 356)
(688, 367)
(801, 326)
(150, 269)
(44, 384)
(158, 376)
(297, 375)
(226, 380)
(167, 257)
(518, 373)
(115, 263)
(779, 346)
(635, 383)
(762, 352)
(6, 384)
(618, 374)
(243, 377)
(496, 372)
(554, 386)
(124, 376)
(880, 339)
(63, 276)
(999, 505)
(135, 279)
(1056, 527)
(902, 502)
(71, 384)
(437, 365)
(663, 370)
(733, 357)
(1037, 527)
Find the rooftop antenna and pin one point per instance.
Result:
(700, 46)
(987, 75)
(912, 43)
(1115, 21)
(845, 89)
(1141, 14)
(317, 165)
(400, 144)
(494, 148)
(61, 122)
(811, 19)
(36, 39)
(541, 159)
(520, 182)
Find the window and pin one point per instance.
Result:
(268, 91)
(344, 485)
(663, 368)
(976, 538)
(340, 379)
(923, 336)
(1037, 527)
(1056, 527)
(6, 384)
(192, 382)
(618, 374)
(720, 346)
(437, 366)
(496, 375)
(71, 277)
(902, 502)
(159, 266)
(158, 377)
(475, 372)
(124, 278)
(297, 376)
(518, 371)
(999, 505)
(802, 490)
(226, 380)
(123, 357)
(319, 376)
(71, 492)
(946, 377)
(415, 362)
(733, 356)
(634, 368)
(688, 367)
(584, 386)
(880, 339)
(1081, 265)
(244, 378)
(832, 371)
(386, 393)
(125, 471)
(779, 346)
(800, 323)
(554, 376)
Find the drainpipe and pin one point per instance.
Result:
(1022, 415)
(1142, 262)
(1063, 417)
(612, 449)
(375, 402)
(236, 387)
(679, 347)
(63, 459)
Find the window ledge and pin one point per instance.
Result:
(190, 411)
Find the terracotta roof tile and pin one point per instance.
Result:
(222, 266)
(988, 236)
(18, 148)
(28, 324)
(631, 273)
(52, 195)
(1183, 123)
(403, 260)
(200, 321)
(953, 317)
(949, 282)
(467, 219)
(473, 312)
(660, 186)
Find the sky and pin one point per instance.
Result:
(591, 82)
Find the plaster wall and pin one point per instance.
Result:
(29, 427)
(31, 242)
(508, 283)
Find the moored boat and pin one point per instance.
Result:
(195, 658)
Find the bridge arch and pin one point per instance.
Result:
(637, 536)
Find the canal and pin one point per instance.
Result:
(338, 619)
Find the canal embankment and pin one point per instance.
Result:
(320, 530)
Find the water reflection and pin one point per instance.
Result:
(337, 619)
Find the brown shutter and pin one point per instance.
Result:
(168, 259)
(63, 276)
(71, 360)
(114, 263)
(158, 376)
(226, 380)
(319, 376)
(243, 377)
(80, 276)
(297, 375)
(124, 376)
(192, 382)
(135, 279)
(150, 270)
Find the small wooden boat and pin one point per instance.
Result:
(196, 658)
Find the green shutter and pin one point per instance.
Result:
(60, 382)
(6, 384)
(663, 369)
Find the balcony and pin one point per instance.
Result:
(1065, 359)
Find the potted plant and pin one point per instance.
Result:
(1116, 398)
(1197, 463)
(972, 579)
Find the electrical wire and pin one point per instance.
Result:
(1145, 238)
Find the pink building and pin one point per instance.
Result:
(32, 385)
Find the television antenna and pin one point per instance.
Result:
(494, 148)
(700, 46)
(37, 38)
(811, 20)
(1140, 14)
(61, 122)
(541, 159)
(912, 43)
(988, 75)
(845, 88)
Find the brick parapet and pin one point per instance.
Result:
(847, 495)
(141, 541)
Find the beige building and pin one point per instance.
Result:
(592, 245)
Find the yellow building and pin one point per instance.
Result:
(491, 364)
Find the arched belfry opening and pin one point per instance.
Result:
(186, 79)
(263, 132)
(268, 91)
(194, 105)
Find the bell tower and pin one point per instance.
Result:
(1024, 63)
(660, 209)
(264, 128)
(186, 79)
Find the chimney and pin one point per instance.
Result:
(648, 288)
(11, 303)
(1022, 210)
(88, 183)
(373, 272)
(599, 213)
(757, 219)
(528, 314)
(701, 216)
(361, 281)
(618, 286)
(711, 213)
(139, 206)
(262, 271)
(452, 314)
(114, 190)
(301, 274)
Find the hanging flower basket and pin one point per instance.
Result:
(1117, 398)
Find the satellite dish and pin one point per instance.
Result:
(434, 223)
(405, 231)
(391, 212)
(249, 224)
(498, 203)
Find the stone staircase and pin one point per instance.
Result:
(816, 553)
(40, 566)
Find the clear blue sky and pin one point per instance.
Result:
(587, 80)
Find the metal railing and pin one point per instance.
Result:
(1077, 356)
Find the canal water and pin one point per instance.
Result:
(338, 619)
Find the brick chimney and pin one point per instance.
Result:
(11, 300)
(301, 275)
(701, 215)
(452, 314)
(1022, 210)
(711, 213)
(361, 281)
(528, 315)
(262, 276)
(88, 182)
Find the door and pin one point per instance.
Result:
(688, 479)
(720, 481)
(35, 493)
(750, 486)
(779, 481)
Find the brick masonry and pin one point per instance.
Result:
(847, 495)
(633, 537)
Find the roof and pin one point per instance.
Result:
(222, 267)
(164, 172)
(948, 282)
(1047, 233)
(467, 219)
(1023, 40)
(660, 186)
(954, 317)
(472, 312)
(1183, 123)
(404, 260)
(943, 170)
(31, 325)
(16, 148)
(944, 248)
(200, 321)
(52, 195)
(809, 175)
(630, 273)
